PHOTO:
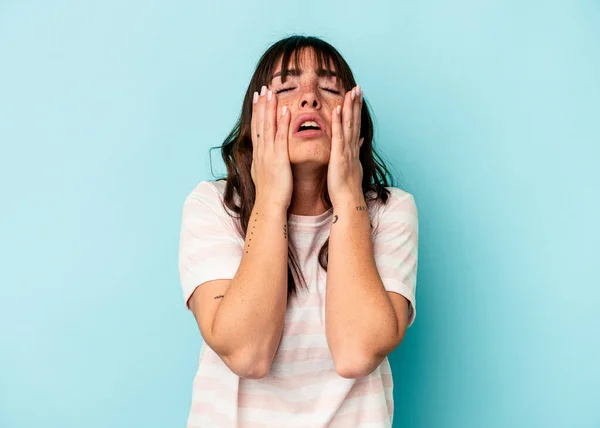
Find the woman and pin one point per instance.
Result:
(300, 266)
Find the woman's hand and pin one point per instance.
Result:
(345, 173)
(271, 169)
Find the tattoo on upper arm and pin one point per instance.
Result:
(219, 297)
(285, 231)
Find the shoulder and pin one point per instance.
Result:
(399, 209)
(398, 194)
(207, 199)
(206, 202)
(207, 190)
(398, 201)
(402, 201)
(208, 193)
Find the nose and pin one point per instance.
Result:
(309, 100)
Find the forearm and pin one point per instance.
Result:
(250, 319)
(360, 318)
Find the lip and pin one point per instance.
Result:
(310, 133)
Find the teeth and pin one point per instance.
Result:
(310, 123)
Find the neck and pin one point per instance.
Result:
(307, 194)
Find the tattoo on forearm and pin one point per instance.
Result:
(358, 208)
(285, 231)
(219, 297)
(251, 232)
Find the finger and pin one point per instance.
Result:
(356, 117)
(253, 123)
(260, 119)
(337, 133)
(283, 126)
(347, 117)
(270, 119)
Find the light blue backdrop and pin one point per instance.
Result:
(488, 111)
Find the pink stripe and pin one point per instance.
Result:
(289, 382)
(217, 388)
(317, 404)
(407, 205)
(361, 416)
(285, 383)
(387, 380)
(208, 410)
(284, 356)
(287, 356)
(301, 328)
(410, 233)
(392, 272)
(401, 253)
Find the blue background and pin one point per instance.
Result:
(488, 111)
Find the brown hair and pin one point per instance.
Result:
(236, 150)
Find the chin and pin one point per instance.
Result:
(309, 150)
(318, 155)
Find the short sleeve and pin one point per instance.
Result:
(209, 246)
(395, 244)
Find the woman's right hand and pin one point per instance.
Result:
(271, 169)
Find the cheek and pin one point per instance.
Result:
(283, 102)
(330, 104)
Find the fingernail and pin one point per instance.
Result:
(358, 92)
(269, 96)
(284, 110)
(263, 90)
(339, 109)
(353, 94)
(255, 98)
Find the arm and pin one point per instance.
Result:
(242, 319)
(364, 322)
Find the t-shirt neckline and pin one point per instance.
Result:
(314, 220)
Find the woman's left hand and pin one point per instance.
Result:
(345, 173)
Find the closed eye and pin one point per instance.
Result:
(333, 91)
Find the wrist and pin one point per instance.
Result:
(349, 201)
(270, 207)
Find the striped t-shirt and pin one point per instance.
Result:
(302, 388)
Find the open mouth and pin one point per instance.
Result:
(309, 126)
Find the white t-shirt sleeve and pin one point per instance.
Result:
(395, 244)
(209, 246)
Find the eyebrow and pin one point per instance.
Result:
(321, 72)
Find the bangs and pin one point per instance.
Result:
(325, 61)
(290, 52)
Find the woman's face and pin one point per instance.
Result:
(310, 96)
